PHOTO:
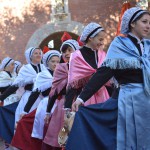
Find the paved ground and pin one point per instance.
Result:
(2, 147)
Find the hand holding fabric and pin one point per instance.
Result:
(1, 103)
(47, 118)
(76, 104)
(21, 116)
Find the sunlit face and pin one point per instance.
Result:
(36, 56)
(10, 67)
(98, 41)
(67, 53)
(141, 28)
(53, 62)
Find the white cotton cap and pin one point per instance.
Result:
(129, 16)
(91, 30)
(28, 54)
(17, 65)
(48, 55)
(72, 43)
(6, 62)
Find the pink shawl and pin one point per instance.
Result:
(80, 72)
(56, 122)
(60, 78)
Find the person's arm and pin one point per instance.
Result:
(102, 75)
(71, 95)
(51, 102)
(46, 92)
(3, 89)
(50, 105)
(33, 97)
(9, 91)
(110, 89)
(53, 98)
(31, 100)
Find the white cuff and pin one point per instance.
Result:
(24, 112)
(48, 113)
(67, 109)
(80, 100)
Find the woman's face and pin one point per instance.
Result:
(141, 28)
(53, 62)
(36, 56)
(98, 41)
(10, 67)
(67, 53)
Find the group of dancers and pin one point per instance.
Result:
(108, 91)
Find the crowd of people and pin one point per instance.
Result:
(109, 92)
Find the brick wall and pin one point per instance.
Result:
(18, 24)
(20, 19)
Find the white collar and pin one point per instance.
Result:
(138, 40)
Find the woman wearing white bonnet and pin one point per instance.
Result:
(84, 62)
(6, 62)
(7, 76)
(50, 60)
(66, 49)
(57, 95)
(26, 78)
(90, 31)
(47, 56)
(128, 61)
(71, 45)
(42, 87)
(18, 65)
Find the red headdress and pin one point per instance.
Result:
(80, 43)
(66, 36)
(45, 49)
(125, 6)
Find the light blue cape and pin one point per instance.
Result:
(123, 54)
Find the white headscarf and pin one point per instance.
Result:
(43, 81)
(129, 16)
(6, 62)
(72, 43)
(48, 55)
(91, 30)
(17, 65)
(27, 73)
(28, 54)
